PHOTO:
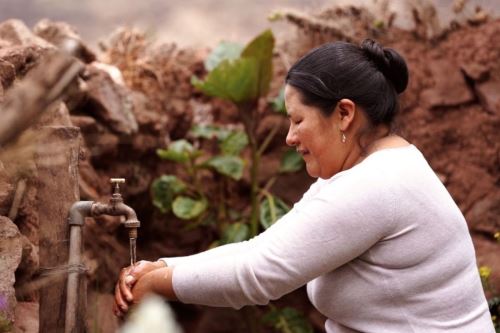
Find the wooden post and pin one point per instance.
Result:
(57, 167)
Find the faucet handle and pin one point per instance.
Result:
(116, 184)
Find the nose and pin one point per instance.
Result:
(291, 137)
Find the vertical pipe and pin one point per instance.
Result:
(75, 250)
(76, 290)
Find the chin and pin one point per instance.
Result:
(312, 172)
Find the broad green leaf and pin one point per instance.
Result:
(164, 190)
(234, 143)
(291, 161)
(235, 232)
(209, 132)
(287, 320)
(223, 51)
(234, 80)
(227, 165)
(261, 48)
(179, 151)
(271, 210)
(187, 208)
(278, 103)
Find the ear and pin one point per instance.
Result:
(346, 111)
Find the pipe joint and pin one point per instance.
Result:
(78, 211)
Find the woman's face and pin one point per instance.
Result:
(315, 136)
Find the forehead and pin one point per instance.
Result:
(293, 99)
(294, 104)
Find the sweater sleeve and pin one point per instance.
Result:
(340, 222)
(232, 249)
(212, 254)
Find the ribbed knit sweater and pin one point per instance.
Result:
(382, 247)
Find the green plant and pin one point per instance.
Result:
(241, 75)
(494, 299)
(287, 320)
(188, 199)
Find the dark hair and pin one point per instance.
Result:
(369, 75)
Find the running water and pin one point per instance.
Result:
(133, 255)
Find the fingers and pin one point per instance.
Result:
(121, 304)
(129, 277)
(124, 286)
(140, 268)
(116, 311)
(123, 295)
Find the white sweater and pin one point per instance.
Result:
(382, 247)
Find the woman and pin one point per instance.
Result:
(378, 240)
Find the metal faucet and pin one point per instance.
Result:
(76, 219)
(116, 207)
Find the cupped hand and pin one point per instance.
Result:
(127, 279)
(158, 281)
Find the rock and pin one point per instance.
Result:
(489, 95)
(76, 95)
(7, 73)
(483, 214)
(99, 140)
(57, 33)
(110, 102)
(180, 117)
(113, 71)
(89, 180)
(16, 32)
(150, 120)
(83, 122)
(450, 88)
(58, 115)
(23, 58)
(30, 262)
(4, 43)
(26, 317)
(6, 191)
(10, 257)
(469, 185)
(27, 218)
(153, 126)
(476, 72)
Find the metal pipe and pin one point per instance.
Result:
(77, 214)
(76, 219)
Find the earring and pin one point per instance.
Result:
(343, 137)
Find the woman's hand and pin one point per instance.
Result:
(158, 281)
(128, 277)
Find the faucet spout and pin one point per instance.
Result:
(117, 209)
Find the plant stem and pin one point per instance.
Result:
(254, 217)
(193, 173)
(249, 115)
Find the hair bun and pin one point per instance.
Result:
(389, 62)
